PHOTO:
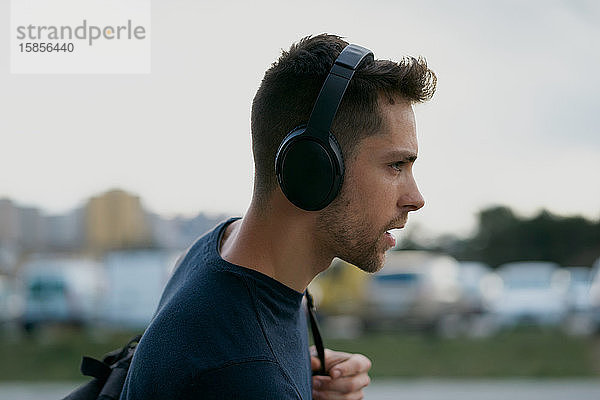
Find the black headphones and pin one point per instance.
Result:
(309, 164)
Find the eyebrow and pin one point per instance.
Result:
(401, 155)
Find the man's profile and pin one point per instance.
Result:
(230, 323)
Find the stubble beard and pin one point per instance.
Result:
(344, 232)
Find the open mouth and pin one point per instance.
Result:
(390, 239)
(392, 233)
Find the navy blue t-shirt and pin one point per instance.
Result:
(222, 331)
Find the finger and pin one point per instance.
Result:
(355, 364)
(343, 385)
(315, 363)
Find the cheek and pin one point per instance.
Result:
(377, 207)
(368, 182)
(372, 195)
(381, 192)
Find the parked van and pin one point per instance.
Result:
(136, 279)
(534, 293)
(61, 290)
(11, 305)
(595, 295)
(340, 289)
(415, 289)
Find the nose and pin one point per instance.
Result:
(411, 200)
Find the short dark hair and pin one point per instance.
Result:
(290, 87)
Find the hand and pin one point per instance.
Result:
(348, 375)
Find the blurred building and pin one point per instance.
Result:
(9, 223)
(181, 232)
(65, 232)
(116, 220)
(9, 235)
(166, 232)
(32, 229)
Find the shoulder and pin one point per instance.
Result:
(198, 275)
(207, 320)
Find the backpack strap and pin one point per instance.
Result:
(94, 368)
(314, 328)
(116, 380)
(109, 374)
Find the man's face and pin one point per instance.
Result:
(379, 191)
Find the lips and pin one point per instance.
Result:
(390, 239)
(397, 225)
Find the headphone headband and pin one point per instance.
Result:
(333, 89)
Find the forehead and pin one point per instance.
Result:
(397, 134)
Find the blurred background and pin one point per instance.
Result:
(494, 287)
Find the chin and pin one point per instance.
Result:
(367, 258)
(373, 264)
(381, 263)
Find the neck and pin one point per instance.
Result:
(278, 241)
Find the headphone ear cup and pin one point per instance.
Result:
(309, 172)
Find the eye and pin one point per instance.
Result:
(398, 165)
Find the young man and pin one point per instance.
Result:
(230, 324)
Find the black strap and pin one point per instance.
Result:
(314, 328)
(114, 384)
(94, 368)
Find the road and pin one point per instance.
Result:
(485, 390)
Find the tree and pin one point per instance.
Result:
(502, 236)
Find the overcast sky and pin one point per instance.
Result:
(514, 121)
